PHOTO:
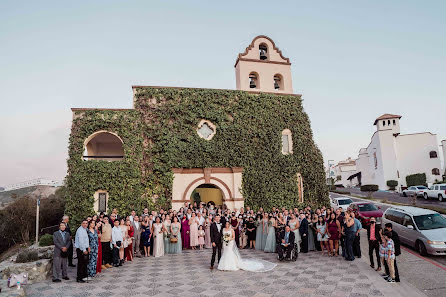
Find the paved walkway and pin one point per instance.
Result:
(189, 275)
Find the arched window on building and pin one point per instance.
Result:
(278, 82)
(287, 142)
(435, 171)
(103, 145)
(254, 81)
(100, 201)
(433, 154)
(263, 51)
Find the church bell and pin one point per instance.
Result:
(263, 55)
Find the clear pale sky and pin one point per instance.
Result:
(351, 60)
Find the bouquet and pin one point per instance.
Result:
(226, 239)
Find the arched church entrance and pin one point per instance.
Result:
(207, 193)
(216, 185)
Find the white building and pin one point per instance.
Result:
(33, 182)
(443, 146)
(392, 156)
(342, 171)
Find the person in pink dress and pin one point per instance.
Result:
(193, 224)
(185, 230)
(201, 237)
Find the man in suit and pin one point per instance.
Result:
(286, 245)
(303, 230)
(62, 242)
(216, 239)
(66, 219)
(136, 236)
(82, 244)
(374, 239)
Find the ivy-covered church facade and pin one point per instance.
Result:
(247, 147)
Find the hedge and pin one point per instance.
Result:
(160, 134)
(416, 179)
(392, 184)
(46, 240)
(369, 188)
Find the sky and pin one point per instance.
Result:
(351, 60)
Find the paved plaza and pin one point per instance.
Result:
(188, 274)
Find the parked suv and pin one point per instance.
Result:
(435, 191)
(418, 190)
(423, 229)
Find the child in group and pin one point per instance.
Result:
(201, 234)
(382, 251)
(390, 256)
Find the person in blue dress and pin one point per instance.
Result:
(93, 249)
(270, 245)
(145, 235)
(175, 228)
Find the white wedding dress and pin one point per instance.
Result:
(232, 261)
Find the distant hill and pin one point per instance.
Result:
(34, 192)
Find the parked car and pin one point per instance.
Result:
(343, 202)
(435, 191)
(423, 229)
(366, 210)
(418, 190)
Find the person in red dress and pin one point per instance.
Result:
(234, 222)
(129, 248)
(99, 263)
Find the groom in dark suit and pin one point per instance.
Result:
(216, 239)
(303, 230)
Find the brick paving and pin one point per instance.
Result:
(188, 274)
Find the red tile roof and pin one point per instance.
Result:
(387, 116)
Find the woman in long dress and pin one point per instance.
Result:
(231, 259)
(207, 231)
(175, 231)
(270, 246)
(311, 233)
(99, 261)
(166, 226)
(264, 232)
(259, 231)
(93, 249)
(235, 224)
(193, 224)
(146, 235)
(158, 244)
(129, 248)
(185, 232)
(294, 225)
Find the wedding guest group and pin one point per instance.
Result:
(107, 241)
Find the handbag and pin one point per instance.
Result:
(14, 279)
(173, 239)
(118, 243)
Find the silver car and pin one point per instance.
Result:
(423, 229)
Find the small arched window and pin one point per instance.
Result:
(394, 122)
(435, 171)
(287, 142)
(433, 154)
(384, 123)
(263, 51)
(253, 80)
(278, 82)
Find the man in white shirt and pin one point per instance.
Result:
(117, 242)
(132, 216)
(200, 219)
(82, 244)
(136, 236)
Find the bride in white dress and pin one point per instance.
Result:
(231, 259)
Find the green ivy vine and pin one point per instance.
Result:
(160, 134)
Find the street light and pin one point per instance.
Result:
(37, 221)
(329, 172)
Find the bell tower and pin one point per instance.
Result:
(262, 67)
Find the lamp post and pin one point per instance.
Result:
(329, 173)
(37, 221)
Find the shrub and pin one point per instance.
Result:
(416, 179)
(27, 256)
(392, 184)
(46, 240)
(369, 188)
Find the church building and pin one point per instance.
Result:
(250, 146)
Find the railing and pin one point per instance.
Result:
(103, 157)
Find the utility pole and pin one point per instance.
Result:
(37, 221)
(329, 173)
